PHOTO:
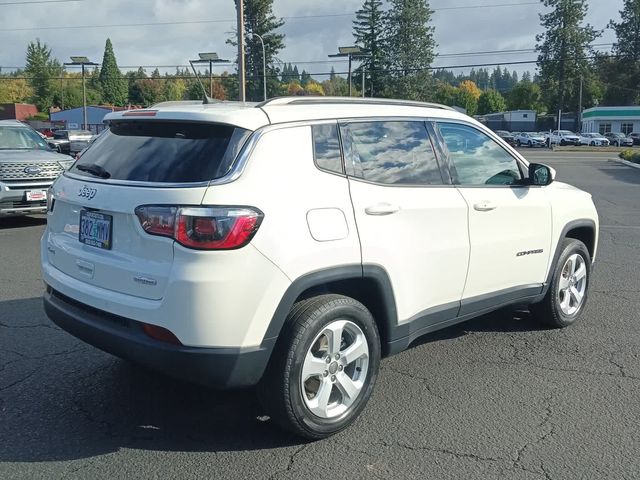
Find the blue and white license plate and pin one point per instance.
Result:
(95, 229)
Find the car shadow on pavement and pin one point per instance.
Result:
(22, 221)
(61, 399)
(509, 319)
(621, 173)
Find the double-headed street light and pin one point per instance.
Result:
(82, 61)
(354, 52)
(210, 58)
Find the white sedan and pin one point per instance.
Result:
(593, 139)
(530, 139)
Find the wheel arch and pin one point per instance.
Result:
(581, 229)
(368, 284)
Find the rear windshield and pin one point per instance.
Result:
(165, 152)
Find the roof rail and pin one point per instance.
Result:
(349, 101)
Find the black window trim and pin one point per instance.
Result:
(446, 179)
(524, 170)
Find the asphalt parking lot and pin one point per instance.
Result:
(497, 397)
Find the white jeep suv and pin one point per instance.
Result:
(292, 244)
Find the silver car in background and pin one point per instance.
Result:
(28, 167)
(594, 139)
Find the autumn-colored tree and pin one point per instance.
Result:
(14, 90)
(294, 88)
(313, 88)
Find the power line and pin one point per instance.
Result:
(31, 2)
(230, 21)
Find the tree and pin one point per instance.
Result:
(467, 97)
(525, 95)
(42, 69)
(409, 47)
(259, 19)
(14, 90)
(313, 88)
(304, 78)
(621, 74)
(114, 85)
(294, 88)
(563, 52)
(148, 91)
(368, 31)
(490, 101)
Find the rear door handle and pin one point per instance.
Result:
(382, 209)
(485, 206)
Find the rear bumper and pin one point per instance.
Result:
(223, 368)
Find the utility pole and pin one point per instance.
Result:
(580, 106)
(82, 61)
(241, 77)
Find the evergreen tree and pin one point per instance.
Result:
(621, 74)
(41, 70)
(114, 85)
(563, 52)
(368, 31)
(409, 47)
(295, 75)
(304, 78)
(259, 19)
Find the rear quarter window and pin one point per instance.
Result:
(163, 152)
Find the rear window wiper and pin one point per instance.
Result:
(93, 169)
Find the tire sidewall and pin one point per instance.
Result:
(317, 426)
(570, 247)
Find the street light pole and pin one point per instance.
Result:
(82, 61)
(352, 53)
(264, 67)
(210, 58)
(241, 76)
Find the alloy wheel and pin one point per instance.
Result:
(572, 284)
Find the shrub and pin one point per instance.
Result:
(630, 156)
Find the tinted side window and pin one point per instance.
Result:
(391, 152)
(326, 147)
(477, 159)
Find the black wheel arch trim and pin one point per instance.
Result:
(580, 223)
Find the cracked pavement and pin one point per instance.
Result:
(498, 397)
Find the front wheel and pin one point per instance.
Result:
(324, 367)
(567, 294)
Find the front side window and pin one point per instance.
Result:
(326, 147)
(390, 152)
(477, 159)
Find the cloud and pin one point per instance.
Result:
(309, 39)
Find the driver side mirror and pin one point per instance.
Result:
(541, 175)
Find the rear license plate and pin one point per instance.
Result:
(36, 195)
(95, 229)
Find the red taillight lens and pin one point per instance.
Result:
(203, 228)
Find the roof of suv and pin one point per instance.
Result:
(287, 109)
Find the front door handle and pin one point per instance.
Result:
(485, 206)
(381, 209)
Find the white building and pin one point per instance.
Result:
(611, 119)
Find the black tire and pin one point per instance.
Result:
(518, 143)
(530, 144)
(549, 310)
(563, 142)
(593, 144)
(280, 391)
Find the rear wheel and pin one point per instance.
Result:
(324, 367)
(593, 144)
(567, 294)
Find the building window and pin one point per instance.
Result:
(604, 128)
(627, 128)
(525, 115)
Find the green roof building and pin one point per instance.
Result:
(611, 119)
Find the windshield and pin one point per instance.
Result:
(566, 132)
(20, 138)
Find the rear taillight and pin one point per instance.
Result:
(202, 228)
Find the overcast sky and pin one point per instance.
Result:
(307, 39)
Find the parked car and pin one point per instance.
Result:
(70, 141)
(507, 137)
(594, 140)
(619, 139)
(28, 167)
(563, 137)
(635, 136)
(530, 139)
(201, 240)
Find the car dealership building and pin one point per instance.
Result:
(611, 119)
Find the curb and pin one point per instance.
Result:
(625, 162)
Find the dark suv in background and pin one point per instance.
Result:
(618, 139)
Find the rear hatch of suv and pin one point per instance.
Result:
(131, 176)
